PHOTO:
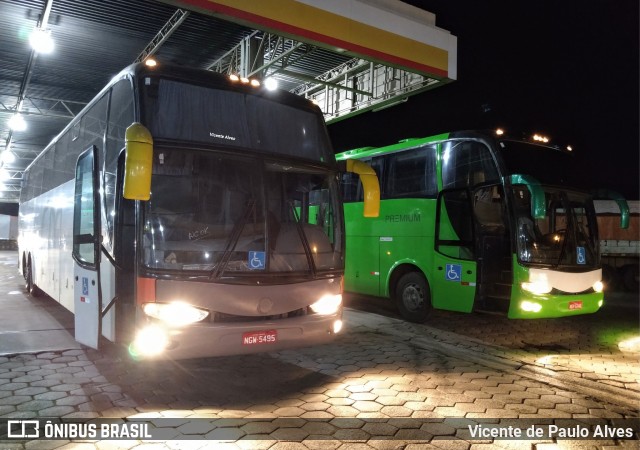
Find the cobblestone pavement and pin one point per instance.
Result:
(604, 347)
(383, 384)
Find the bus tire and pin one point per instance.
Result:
(30, 287)
(413, 298)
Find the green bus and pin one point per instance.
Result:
(475, 221)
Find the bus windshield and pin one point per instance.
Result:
(223, 117)
(545, 164)
(228, 216)
(565, 237)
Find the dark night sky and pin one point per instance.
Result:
(567, 68)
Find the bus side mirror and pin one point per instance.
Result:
(370, 185)
(138, 162)
(538, 205)
(607, 194)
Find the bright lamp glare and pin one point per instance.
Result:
(271, 84)
(150, 341)
(17, 123)
(598, 286)
(537, 287)
(7, 157)
(530, 306)
(630, 345)
(329, 304)
(175, 314)
(41, 41)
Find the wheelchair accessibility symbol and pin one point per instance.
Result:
(256, 260)
(581, 255)
(453, 272)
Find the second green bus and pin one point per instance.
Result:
(475, 221)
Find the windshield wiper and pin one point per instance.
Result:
(233, 240)
(303, 239)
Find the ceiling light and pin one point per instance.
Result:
(271, 84)
(17, 123)
(150, 62)
(7, 157)
(41, 40)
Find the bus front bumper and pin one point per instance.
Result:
(525, 305)
(211, 339)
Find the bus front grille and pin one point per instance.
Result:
(227, 318)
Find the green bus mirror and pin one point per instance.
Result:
(370, 185)
(138, 162)
(538, 205)
(607, 194)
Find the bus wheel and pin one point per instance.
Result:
(413, 298)
(31, 288)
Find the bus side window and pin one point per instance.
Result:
(121, 115)
(454, 235)
(352, 187)
(488, 207)
(467, 163)
(412, 173)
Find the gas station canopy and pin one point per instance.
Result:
(348, 56)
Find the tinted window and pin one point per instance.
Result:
(406, 174)
(412, 173)
(236, 119)
(547, 165)
(455, 224)
(121, 116)
(466, 164)
(352, 186)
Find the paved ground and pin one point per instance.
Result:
(384, 384)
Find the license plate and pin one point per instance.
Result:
(575, 305)
(260, 337)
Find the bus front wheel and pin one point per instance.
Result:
(413, 298)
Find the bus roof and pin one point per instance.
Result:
(216, 79)
(364, 152)
(403, 144)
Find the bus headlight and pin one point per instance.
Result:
(537, 287)
(598, 286)
(329, 304)
(176, 313)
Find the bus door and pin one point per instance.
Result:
(492, 246)
(453, 282)
(86, 250)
